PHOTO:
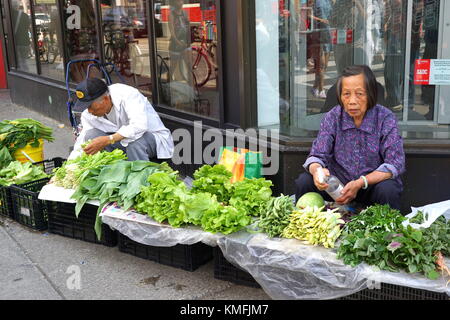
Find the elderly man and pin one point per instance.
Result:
(119, 116)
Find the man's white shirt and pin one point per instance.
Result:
(131, 116)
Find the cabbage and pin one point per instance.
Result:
(310, 199)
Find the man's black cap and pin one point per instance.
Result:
(87, 91)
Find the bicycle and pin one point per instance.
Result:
(117, 50)
(202, 66)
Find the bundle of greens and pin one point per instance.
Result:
(225, 219)
(377, 237)
(275, 217)
(118, 182)
(74, 171)
(315, 226)
(161, 200)
(215, 180)
(168, 199)
(18, 133)
(252, 195)
(19, 173)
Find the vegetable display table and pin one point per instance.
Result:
(289, 269)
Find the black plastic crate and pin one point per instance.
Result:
(6, 208)
(395, 292)
(49, 165)
(186, 257)
(27, 208)
(63, 221)
(224, 270)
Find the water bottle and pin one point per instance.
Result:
(334, 185)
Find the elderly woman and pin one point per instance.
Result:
(359, 143)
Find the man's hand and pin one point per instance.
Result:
(97, 145)
(349, 192)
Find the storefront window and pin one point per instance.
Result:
(125, 32)
(187, 66)
(22, 30)
(81, 37)
(48, 35)
(303, 46)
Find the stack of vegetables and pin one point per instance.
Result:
(315, 226)
(18, 133)
(377, 237)
(119, 182)
(307, 221)
(213, 203)
(15, 172)
(19, 173)
(73, 172)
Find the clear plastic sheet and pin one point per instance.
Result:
(143, 229)
(289, 269)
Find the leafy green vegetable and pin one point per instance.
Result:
(19, 173)
(5, 157)
(168, 199)
(215, 180)
(225, 219)
(251, 195)
(118, 182)
(161, 200)
(377, 237)
(18, 133)
(315, 226)
(73, 172)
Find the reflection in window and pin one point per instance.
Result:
(187, 56)
(125, 31)
(302, 47)
(81, 40)
(424, 40)
(21, 23)
(46, 19)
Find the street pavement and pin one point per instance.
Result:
(42, 266)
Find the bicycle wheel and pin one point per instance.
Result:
(201, 67)
(212, 51)
(109, 57)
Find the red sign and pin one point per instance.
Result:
(422, 72)
(341, 36)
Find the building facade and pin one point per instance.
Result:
(245, 68)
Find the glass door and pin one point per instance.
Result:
(443, 116)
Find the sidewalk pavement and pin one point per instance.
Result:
(40, 265)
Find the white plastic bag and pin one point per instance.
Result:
(434, 211)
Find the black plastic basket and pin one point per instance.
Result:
(186, 257)
(395, 292)
(63, 221)
(6, 209)
(49, 165)
(224, 270)
(27, 208)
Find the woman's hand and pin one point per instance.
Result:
(349, 192)
(97, 145)
(321, 185)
